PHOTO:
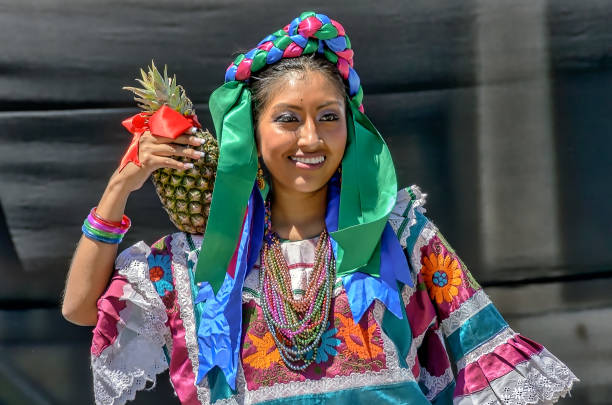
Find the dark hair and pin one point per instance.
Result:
(262, 82)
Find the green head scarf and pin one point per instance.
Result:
(368, 188)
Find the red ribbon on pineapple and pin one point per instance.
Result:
(164, 122)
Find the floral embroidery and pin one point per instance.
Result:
(266, 353)
(471, 280)
(160, 273)
(442, 274)
(358, 340)
(328, 345)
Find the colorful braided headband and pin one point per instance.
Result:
(309, 33)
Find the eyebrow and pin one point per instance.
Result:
(297, 107)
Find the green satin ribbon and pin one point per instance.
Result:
(230, 107)
(367, 195)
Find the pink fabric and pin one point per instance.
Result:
(339, 27)
(343, 68)
(181, 368)
(436, 360)
(244, 69)
(292, 51)
(266, 46)
(477, 375)
(420, 311)
(309, 26)
(346, 54)
(109, 307)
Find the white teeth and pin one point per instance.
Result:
(310, 161)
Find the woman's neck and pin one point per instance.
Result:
(298, 216)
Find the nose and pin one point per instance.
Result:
(308, 137)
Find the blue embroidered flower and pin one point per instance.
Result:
(440, 278)
(160, 273)
(328, 345)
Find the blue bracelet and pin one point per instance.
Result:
(92, 236)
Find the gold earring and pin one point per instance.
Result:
(261, 183)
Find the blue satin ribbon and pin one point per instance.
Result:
(362, 289)
(220, 328)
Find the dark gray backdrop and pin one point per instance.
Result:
(499, 110)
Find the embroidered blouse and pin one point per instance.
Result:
(451, 346)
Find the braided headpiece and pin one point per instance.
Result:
(309, 33)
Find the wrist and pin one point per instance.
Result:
(118, 185)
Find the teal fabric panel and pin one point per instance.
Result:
(398, 330)
(219, 388)
(446, 396)
(405, 393)
(476, 331)
(415, 231)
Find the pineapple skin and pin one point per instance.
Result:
(185, 194)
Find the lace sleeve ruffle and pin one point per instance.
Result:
(453, 320)
(127, 347)
(511, 369)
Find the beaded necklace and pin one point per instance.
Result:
(295, 324)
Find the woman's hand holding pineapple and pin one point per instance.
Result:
(155, 152)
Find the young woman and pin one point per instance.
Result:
(326, 286)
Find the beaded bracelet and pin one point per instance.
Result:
(97, 228)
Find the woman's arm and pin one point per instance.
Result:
(93, 261)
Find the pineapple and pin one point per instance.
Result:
(185, 194)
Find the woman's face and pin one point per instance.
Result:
(301, 133)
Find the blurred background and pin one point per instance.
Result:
(499, 109)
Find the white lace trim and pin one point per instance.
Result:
(542, 379)
(136, 356)
(435, 385)
(408, 291)
(398, 214)
(502, 337)
(180, 250)
(468, 309)
(428, 232)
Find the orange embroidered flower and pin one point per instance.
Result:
(156, 273)
(357, 339)
(266, 353)
(442, 274)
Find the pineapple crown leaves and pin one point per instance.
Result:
(158, 90)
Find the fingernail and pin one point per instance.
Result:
(201, 140)
(193, 130)
(188, 165)
(199, 154)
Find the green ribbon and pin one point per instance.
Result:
(367, 195)
(230, 107)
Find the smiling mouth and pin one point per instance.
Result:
(308, 160)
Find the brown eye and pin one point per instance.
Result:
(330, 117)
(286, 118)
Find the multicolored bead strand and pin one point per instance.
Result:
(296, 325)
